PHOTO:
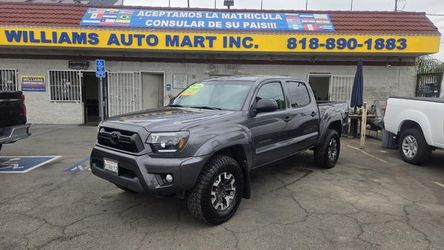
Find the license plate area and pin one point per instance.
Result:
(111, 166)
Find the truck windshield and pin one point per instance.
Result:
(214, 95)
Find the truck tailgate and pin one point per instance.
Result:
(11, 110)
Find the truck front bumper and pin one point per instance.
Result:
(145, 174)
(14, 133)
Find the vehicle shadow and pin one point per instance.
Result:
(436, 161)
(147, 209)
(281, 173)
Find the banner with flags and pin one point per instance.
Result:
(207, 20)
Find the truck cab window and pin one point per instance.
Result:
(298, 94)
(273, 91)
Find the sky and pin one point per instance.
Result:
(428, 6)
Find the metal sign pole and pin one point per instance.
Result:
(100, 73)
(363, 125)
(101, 99)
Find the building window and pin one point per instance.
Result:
(65, 85)
(8, 80)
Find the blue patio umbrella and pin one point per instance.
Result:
(358, 88)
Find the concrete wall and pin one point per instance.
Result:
(380, 81)
(442, 88)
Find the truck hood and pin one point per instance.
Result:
(169, 118)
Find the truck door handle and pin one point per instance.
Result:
(287, 119)
(313, 114)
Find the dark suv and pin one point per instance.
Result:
(204, 144)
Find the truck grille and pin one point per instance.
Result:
(120, 139)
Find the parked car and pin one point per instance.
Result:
(13, 126)
(204, 144)
(418, 126)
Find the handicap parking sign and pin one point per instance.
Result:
(23, 164)
(100, 68)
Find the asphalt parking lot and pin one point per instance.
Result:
(371, 200)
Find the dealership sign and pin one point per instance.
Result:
(206, 20)
(218, 42)
(33, 83)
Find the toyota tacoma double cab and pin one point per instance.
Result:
(13, 122)
(204, 144)
(418, 126)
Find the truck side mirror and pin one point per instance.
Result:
(266, 105)
(172, 100)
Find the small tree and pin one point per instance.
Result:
(429, 64)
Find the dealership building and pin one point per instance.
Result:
(49, 52)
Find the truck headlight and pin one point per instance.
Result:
(168, 142)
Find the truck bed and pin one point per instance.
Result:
(336, 107)
(330, 111)
(11, 110)
(423, 99)
(421, 113)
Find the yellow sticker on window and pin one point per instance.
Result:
(192, 90)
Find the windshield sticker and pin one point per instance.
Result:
(192, 90)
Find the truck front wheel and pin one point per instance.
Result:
(413, 147)
(218, 191)
(327, 154)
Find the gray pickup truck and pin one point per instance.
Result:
(204, 144)
(13, 120)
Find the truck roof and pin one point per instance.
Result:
(257, 78)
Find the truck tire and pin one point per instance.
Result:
(413, 147)
(327, 154)
(218, 191)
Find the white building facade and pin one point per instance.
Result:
(60, 85)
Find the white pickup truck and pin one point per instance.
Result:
(418, 124)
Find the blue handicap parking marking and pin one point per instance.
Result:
(23, 164)
(82, 165)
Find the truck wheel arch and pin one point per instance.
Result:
(414, 119)
(236, 144)
(408, 124)
(239, 153)
(336, 125)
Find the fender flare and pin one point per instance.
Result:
(420, 119)
(237, 137)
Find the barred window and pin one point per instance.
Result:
(64, 85)
(8, 80)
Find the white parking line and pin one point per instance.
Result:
(439, 184)
(367, 154)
